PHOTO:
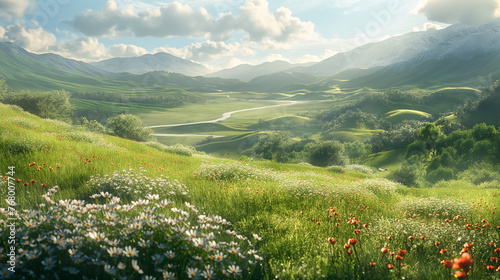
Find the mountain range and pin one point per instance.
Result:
(152, 62)
(456, 55)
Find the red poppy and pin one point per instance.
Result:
(32, 181)
(384, 250)
(460, 275)
(357, 231)
(497, 250)
(398, 257)
(352, 241)
(372, 264)
(422, 237)
(402, 253)
(349, 251)
(443, 251)
(437, 243)
(494, 259)
(463, 263)
(25, 184)
(490, 267)
(331, 240)
(390, 266)
(448, 264)
(18, 180)
(411, 237)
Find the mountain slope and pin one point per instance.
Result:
(247, 72)
(457, 41)
(478, 72)
(152, 62)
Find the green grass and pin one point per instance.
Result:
(288, 206)
(400, 115)
(388, 159)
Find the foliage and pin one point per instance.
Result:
(397, 136)
(275, 146)
(51, 104)
(326, 153)
(357, 149)
(233, 172)
(129, 127)
(360, 168)
(93, 125)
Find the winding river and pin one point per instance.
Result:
(225, 116)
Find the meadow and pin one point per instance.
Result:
(100, 207)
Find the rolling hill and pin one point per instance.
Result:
(247, 72)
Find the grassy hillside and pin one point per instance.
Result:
(191, 216)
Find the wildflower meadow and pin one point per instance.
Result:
(85, 205)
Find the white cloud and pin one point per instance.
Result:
(13, 8)
(177, 19)
(2, 32)
(35, 40)
(276, 56)
(121, 50)
(209, 50)
(86, 49)
(463, 11)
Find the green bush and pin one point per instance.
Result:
(441, 173)
(178, 149)
(327, 153)
(129, 127)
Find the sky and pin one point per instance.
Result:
(225, 33)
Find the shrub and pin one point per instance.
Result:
(442, 173)
(129, 127)
(478, 174)
(335, 169)
(327, 153)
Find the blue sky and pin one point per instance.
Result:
(224, 33)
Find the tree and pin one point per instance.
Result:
(429, 135)
(129, 126)
(327, 153)
(274, 146)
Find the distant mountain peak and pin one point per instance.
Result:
(152, 62)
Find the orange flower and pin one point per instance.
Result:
(437, 243)
(492, 244)
(402, 253)
(357, 231)
(390, 266)
(460, 275)
(490, 267)
(347, 245)
(331, 240)
(497, 250)
(448, 264)
(398, 257)
(411, 237)
(384, 250)
(463, 263)
(349, 251)
(494, 259)
(422, 237)
(443, 251)
(372, 264)
(353, 241)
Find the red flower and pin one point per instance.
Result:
(463, 263)
(349, 251)
(490, 267)
(331, 240)
(384, 250)
(460, 275)
(494, 259)
(411, 237)
(492, 244)
(497, 250)
(18, 180)
(422, 237)
(25, 184)
(443, 251)
(372, 264)
(319, 223)
(352, 241)
(32, 181)
(390, 266)
(398, 257)
(357, 231)
(402, 253)
(437, 243)
(448, 264)
(43, 185)
(347, 245)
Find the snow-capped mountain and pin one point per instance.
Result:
(457, 41)
(152, 62)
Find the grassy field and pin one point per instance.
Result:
(193, 216)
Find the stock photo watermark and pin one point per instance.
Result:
(11, 214)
